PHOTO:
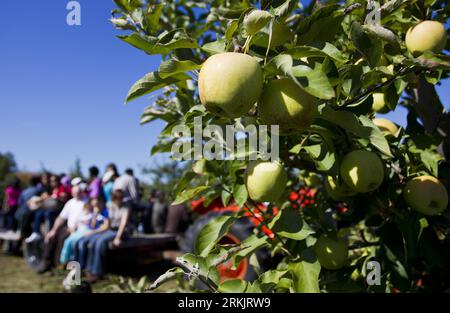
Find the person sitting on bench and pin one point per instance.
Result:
(91, 251)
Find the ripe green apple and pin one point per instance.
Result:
(362, 170)
(426, 194)
(426, 36)
(386, 126)
(265, 180)
(332, 252)
(379, 103)
(286, 104)
(338, 191)
(230, 83)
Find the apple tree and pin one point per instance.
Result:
(323, 71)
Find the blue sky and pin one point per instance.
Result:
(62, 88)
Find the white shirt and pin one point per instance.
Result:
(72, 212)
(128, 184)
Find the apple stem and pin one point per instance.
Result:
(247, 43)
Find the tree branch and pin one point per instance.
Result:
(403, 71)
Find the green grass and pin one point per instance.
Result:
(16, 276)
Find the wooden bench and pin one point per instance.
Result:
(142, 254)
(138, 255)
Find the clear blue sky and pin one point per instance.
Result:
(62, 88)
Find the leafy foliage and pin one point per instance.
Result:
(335, 55)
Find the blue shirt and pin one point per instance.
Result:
(107, 191)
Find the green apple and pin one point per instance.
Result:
(265, 180)
(338, 191)
(386, 126)
(426, 194)
(362, 170)
(426, 36)
(379, 103)
(230, 83)
(286, 104)
(332, 252)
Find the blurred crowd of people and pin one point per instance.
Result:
(78, 220)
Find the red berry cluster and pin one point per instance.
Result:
(303, 197)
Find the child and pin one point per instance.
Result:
(93, 220)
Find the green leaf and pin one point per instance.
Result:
(215, 47)
(369, 46)
(376, 137)
(127, 5)
(318, 49)
(361, 127)
(322, 155)
(184, 181)
(252, 243)
(163, 146)
(432, 61)
(240, 194)
(233, 286)
(314, 81)
(188, 194)
(151, 82)
(171, 274)
(289, 223)
(210, 235)
(423, 222)
(152, 17)
(172, 67)
(207, 271)
(305, 276)
(231, 29)
(322, 25)
(281, 64)
(270, 279)
(285, 9)
(164, 44)
(226, 197)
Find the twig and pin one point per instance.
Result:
(205, 280)
(403, 71)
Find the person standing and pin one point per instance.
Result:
(95, 183)
(65, 224)
(108, 179)
(159, 212)
(129, 185)
(11, 203)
